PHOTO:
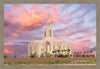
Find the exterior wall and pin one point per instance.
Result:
(36, 47)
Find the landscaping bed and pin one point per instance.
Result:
(51, 60)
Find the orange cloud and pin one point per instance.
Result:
(15, 34)
(28, 18)
(9, 43)
(6, 51)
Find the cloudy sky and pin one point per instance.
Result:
(73, 23)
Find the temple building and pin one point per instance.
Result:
(48, 44)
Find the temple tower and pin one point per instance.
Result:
(48, 30)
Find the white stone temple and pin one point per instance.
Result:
(48, 43)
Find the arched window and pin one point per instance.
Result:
(45, 33)
(50, 33)
(30, 49)
(56, 46)
(42, 49)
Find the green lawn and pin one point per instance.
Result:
(51, 62)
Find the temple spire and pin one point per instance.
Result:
(48, 23)
(48, 14)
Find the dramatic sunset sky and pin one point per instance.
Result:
(73, 23)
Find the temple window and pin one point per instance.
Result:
(50, 33)
(56, 46)
(63, 47)
(45, 33)
(30, 49)
(42, 49)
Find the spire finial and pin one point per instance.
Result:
(48, 23)
(48, 13)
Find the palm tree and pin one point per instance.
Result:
(53, 52)
(77, 54)
(74, 54)
(15, 56)
(91, 52)
(84, 52)
(62, 51)
(58, 51)
(68, 50)
(80, 54)
(87, 53)
(65, 51)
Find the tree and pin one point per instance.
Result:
(33, 55)
(87, 53)
(68, 55)
(15, 56)
(58, 51)
(60, 55)
(80, 54)
(53, 52)
(45, 52)
(7, 56)
(74, 54)
(93, 55)
(62, 51)
(84, 53)
(68, 50)
(48, 55)
(91, 52)
(65, 51)
(77, 52)
(42, 55)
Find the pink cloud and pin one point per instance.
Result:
(63, 35)
(81, 46)
(83, 37)
(55, 8)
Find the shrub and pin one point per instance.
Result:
(56, 55)
(69, 55)
(65, 55)
(48, 55)
(42, 55)
(93, 55)
(33, 55)
(83, 55)
(61, 55)
(7, 56)
(87, 55)
(15, 56)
